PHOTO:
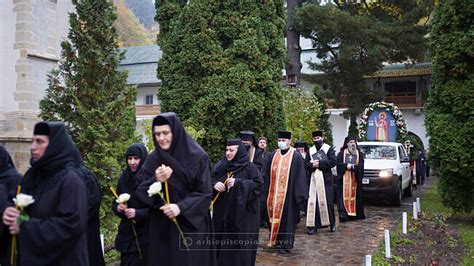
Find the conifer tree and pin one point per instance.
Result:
(221, 67)
(449, 111)
(353, 40)
(89, 94)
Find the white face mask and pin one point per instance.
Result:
(282, 145)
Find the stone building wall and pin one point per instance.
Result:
(30, 35)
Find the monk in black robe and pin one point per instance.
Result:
(94, 197)
(9, 180)
(303, 149)
(237, 186)
(131, 213)
(285, 192)
(254, 153)
(350, 171)
(179, 160)
(320, 210)
(262, 146)
(56, 233)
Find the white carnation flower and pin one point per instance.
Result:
(23, 200)
(154, 189)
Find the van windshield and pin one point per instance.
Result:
(379, 152)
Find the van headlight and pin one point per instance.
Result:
(386, 173)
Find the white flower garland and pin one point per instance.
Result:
(402, 130)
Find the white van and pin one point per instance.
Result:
(386, 170)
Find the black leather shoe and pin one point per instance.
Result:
(332, 228)
(311, 231)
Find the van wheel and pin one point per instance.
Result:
(409, 190)
(397, 192)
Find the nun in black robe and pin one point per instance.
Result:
(125, 241)
(56, 233)
(9, 180)
(359, 174)
(296, 194)
(94, 197)
(236, 210)
(190, 189)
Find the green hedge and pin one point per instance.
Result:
(221, 67)
(450, 108)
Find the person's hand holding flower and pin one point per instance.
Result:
(10, 216)
(121, 207)
(163, 173)
(170, 210)
(13, 217)
(219, 186)
(230, 182)
(130, 213)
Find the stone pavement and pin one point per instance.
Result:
(351, 241)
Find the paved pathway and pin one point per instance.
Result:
(349, 244)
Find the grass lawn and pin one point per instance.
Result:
(438, 224)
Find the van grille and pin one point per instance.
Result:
(368, 173)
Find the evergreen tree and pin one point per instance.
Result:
(352, 40)
(449, 111)
(221, 67)
(91, 96)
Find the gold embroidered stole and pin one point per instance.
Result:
(279, 175)
(349, 188)
(317, 190)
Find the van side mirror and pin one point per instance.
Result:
(405, 159)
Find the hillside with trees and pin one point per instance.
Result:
(130, 30)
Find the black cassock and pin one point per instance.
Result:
(9, 180)
(296, 194)
(94, 197)
(359, 173)
(236, 212)
(263, 199)
(56, 234)
(258, 158)
(189, 188)
(327, 160)
(125, 241)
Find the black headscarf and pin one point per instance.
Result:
(184, 152)
(136, 149)
(59, 154)
(240, 160)
(7, 168)
(78, 160)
